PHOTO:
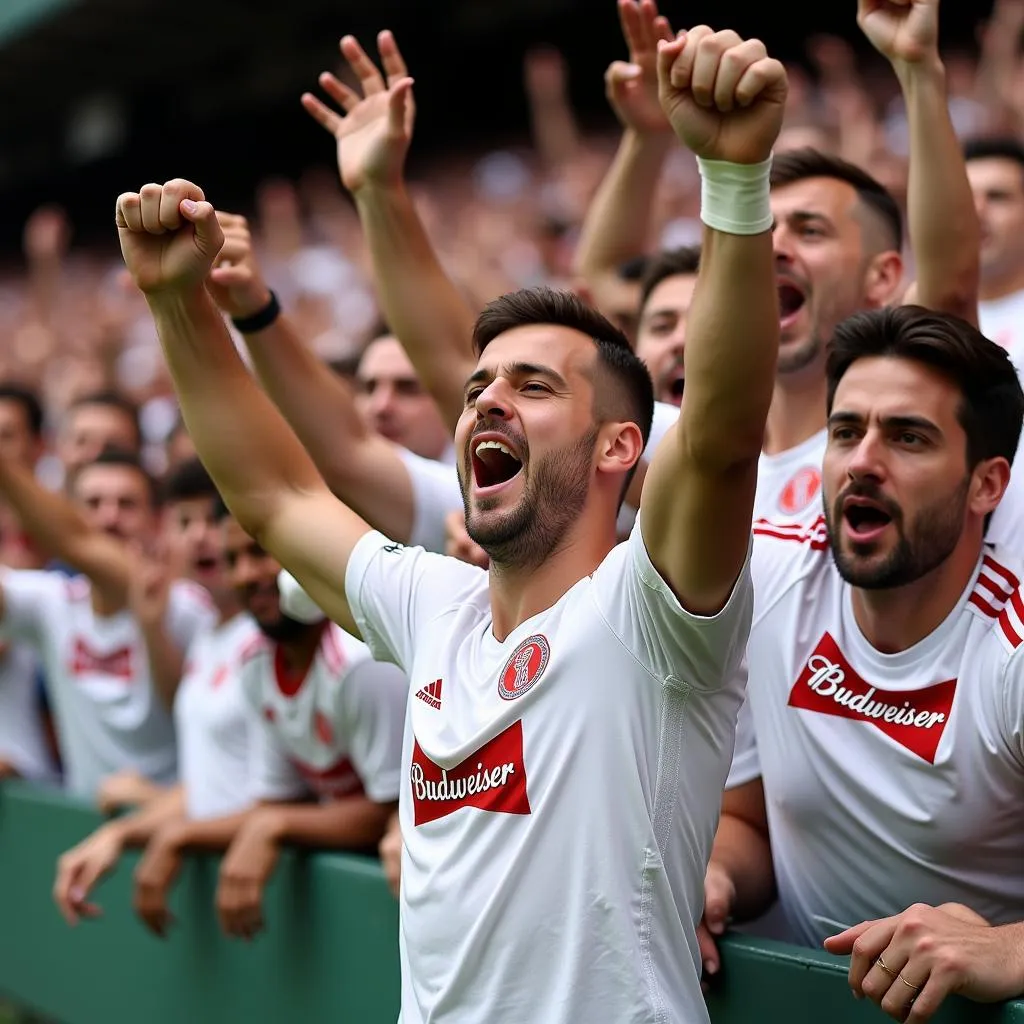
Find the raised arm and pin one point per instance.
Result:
(725, 99)
(946, 247)
(421, 304)
(618, 221)
(362, 469)
(59, 529)
(170, 238)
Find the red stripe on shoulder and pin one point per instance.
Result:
(814, 536)
(256, 646)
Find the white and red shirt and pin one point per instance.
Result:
(789, 483)
(335, 731)
(214, 722)
(23, 742)
(107, 712)
(1002, 321)
(890, 779)
(562, 787)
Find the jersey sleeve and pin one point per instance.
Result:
(435, 493)
(272, 775)
(32, 598)
(1013, 705)
(682, 649)
(395, 592)
(374, 697)
(746, 766)
(189, 613)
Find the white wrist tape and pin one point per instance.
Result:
(734, 197)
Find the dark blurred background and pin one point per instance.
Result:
(99, 96)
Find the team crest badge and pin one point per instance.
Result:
(524, 668)
(801, 490)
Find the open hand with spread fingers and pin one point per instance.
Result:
(169, 235)
(374, 133)
(724, 95)
(632, 86)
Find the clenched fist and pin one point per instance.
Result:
(169, 235)
(724, 95)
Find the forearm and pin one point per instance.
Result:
(943, 224)
(618, 220)
(731, 350)
(209, 834)
(351, 823)
(554, 130)
(420, 302)
(137, 829)
(360, 467)
(743, 852)
(166, 661)
(60, 530)
(241, 437)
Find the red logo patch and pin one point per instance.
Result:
(915, 719)
(341, 779)
(523, 670)
(492, 779)
(269, 713)
(218, 677)
(117, 663)
(431, 694)
(322, 727)
(801, 490)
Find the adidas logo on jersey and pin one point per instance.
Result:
(431, 694)
(915, 719)
(492, 779)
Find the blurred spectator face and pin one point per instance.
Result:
(89, 429)
(821, 262)
(998, 186)
(393, 402)
(117, 500)
(662, 333)
(195, 542)
(17, 441)
(252, 573)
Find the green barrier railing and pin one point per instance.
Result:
(329, 954)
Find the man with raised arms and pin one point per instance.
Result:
(594, 684)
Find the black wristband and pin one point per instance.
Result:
(258, 321)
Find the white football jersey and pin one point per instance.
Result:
(214, 722)
(1002, 321)
(336, 731)
(890, 779)
(789, 483)
(23, 741)
(107, 712)
(562, 787)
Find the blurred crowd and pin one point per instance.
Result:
(71, 324)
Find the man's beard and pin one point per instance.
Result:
(285, 629)
(801, 355)
(933, 537)
(552, 500)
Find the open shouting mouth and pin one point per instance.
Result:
(495, 462)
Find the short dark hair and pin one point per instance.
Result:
(798, 164)
(119, 457)
(997, 147)
(992, 406)
(113, 400)
(630, 395)
(220, 510)
(668, 263)
(29, 402)
(188, 480)
(632, 269)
